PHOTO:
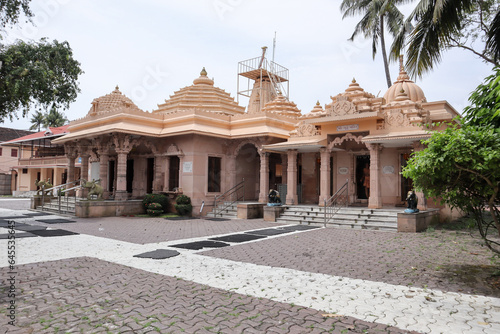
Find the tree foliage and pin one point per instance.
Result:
(39, 75)
(485, 102)
(460, 165)
(441, 25)
(37, 120)
(377, 15)
(11, 10)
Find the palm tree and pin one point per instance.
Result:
(54, 118)
(377, 15)
(439, 25)
(37, 121)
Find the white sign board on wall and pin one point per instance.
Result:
(187, 167)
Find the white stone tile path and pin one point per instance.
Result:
(427, 311)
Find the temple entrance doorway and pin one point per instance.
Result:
(362, 178)
(406, 183)
(130, 174)
(248, 167)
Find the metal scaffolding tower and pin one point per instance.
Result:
(260, 69)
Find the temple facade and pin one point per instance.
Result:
(202, 143)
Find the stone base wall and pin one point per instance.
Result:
(250, 210)
(417, 222)
(272, 212)
(93, 209)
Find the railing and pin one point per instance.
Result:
(229, 198)
(69, 192)
(339, 200)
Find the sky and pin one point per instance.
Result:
(152, 48)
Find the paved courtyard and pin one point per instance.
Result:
(82, 276)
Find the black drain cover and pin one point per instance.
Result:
(158, 254)
(238, 237)
(53, 233)
(299, 227)
(201, 244)
(55, 221)
(269, 232)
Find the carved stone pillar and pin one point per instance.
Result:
(84, 172)
(123, 145)
(422, 201)
(284, 167)
(121, 175)
(103, 173)
(231, 171)
(158, 181)
(70, 152)
(324, 177)
(375, 200)
(264, 177)
(291, 193)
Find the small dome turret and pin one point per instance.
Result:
(403, 83)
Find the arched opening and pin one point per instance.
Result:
(248, 167)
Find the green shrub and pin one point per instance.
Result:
(156, 198)
(183, 206)
(154, 209)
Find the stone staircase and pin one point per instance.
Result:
(52, 205)
(350, 217)
(224, 210)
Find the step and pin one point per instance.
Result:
(355, 218)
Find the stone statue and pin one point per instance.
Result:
(95, 188)
(274, 198)
(44, 185)
(412, 201)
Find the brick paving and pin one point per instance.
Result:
(444, 260)
(151, 230)
(87, 295)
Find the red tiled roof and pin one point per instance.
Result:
(54, 132)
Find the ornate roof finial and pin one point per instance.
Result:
(317, 103)
(203, 72)
(353, 80)
(401, 66)
(117, 88)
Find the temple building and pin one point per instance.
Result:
(202, 143)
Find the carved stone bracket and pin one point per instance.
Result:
(173, 150)
(347, 136)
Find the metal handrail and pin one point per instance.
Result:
(338, 200)
(228, 193)
(66, 193)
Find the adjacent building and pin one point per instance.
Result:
(38, 158)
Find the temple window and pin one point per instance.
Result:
(173, 174)
(214, 177)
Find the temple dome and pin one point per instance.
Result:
(403, 83)
(114, 100)
(282, 106)
(202, 95)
